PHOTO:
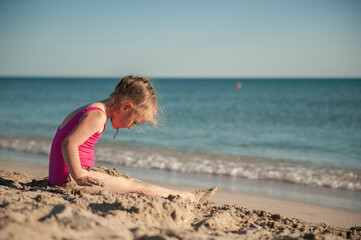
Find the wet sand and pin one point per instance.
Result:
(32, 209)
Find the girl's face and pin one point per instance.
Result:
(123, 117)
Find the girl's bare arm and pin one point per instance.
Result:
(90, 123)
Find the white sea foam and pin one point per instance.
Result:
(241, 167)
(17, 144)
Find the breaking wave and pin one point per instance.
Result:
(196, 163)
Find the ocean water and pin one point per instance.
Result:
(300, 132)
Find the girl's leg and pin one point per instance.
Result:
(131, 185)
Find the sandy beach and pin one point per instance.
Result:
(32, 209)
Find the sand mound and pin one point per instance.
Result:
(31, 209)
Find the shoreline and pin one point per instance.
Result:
(307, 212)
(322, 196)
(264, 172)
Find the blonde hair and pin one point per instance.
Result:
(140, 92)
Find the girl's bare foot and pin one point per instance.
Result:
(204, 194)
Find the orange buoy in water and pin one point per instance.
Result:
(238, 85)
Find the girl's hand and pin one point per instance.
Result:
(88, 181)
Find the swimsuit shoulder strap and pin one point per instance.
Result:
(73, 121)
(90, 109)
(82, 112)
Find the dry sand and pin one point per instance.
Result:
(30, 209)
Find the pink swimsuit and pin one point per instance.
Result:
(58, 172)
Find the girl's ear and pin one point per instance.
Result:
(127, 106)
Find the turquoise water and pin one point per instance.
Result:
(299, 131)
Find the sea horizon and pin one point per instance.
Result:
(185, 77)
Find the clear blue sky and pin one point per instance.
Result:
(185, 38)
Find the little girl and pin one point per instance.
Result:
(132, 102)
